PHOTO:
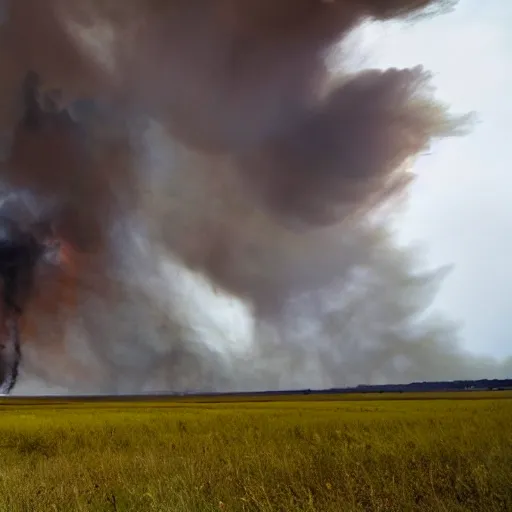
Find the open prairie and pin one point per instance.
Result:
(372, 452)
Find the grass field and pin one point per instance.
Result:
(316, 453)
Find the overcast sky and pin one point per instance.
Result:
(461, 204)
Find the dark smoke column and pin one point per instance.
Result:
(20, 252)
(10, 355)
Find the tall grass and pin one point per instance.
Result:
(287, 456)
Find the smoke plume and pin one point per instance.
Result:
(183, 145)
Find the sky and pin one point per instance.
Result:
(460, 207)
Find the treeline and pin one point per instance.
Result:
(413, 387)
(435, 386)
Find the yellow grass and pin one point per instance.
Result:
(295, 453)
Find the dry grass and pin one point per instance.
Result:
(299, 453)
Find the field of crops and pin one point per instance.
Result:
(330, 453)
